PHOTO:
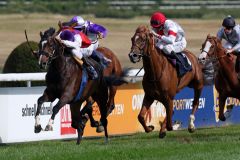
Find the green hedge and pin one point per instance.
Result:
(21, 60)
(102, 9)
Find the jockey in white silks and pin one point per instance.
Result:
(94, 32)
(169, 37)
(76, 41)
(170, 34)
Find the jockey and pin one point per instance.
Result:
(94, 32)
(231, 33)
(76, 40)
(170, 34)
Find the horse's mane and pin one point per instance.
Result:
(48, 33)
(142, 28)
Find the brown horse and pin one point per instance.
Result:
(114, 68)
(63, 80)
(160, 80)
(226, 80)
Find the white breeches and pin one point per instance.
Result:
(85, 52)
(176, 47)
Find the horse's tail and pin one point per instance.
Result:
(114, 80)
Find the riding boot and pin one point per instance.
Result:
(99, 57)
(90, 69)
(175, 55)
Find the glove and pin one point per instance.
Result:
(100, 35)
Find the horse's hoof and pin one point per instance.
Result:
(191, 130)
(169, 128)
(37, 129)
(100, 129)
(162, 135)
(48, 128)
(95, 124)
(106, 140)
(223, 118)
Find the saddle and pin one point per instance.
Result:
(181, 62)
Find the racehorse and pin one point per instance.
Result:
(160, 80)
(226, 80)
(63, 80)
(114, 68)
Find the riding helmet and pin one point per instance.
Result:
(228, 22)
(158, 19)
(79, 21)
(67, 35)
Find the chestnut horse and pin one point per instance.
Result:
(160, 80)
(226, 80)
(63, 81)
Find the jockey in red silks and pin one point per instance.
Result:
(75, 40)
(169, 35)
(94, 32)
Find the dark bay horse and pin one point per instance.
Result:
(63, 81)
(226, 80)
(114, 68)
(160, 80)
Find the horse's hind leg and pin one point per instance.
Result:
(101, 99)
(147, 102)
(197, 94)
(111, 104)
(88, 109)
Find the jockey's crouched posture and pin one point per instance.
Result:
(170, 38)
(94, 32)
(230, 32)
(76, 40)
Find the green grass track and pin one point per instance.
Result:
(209, 143)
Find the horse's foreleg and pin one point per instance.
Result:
(169, 112)
(88, 109)
(191, 126)
(222, 100)
(141, 116)
(55, 110)
(41, 100)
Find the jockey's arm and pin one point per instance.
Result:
(220, 34)
(76, 44)
(169, 39)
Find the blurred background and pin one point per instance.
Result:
(121, 18)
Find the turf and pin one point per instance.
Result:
(208, 143)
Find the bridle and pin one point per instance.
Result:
(140, 46)
(209, 57)
(53, 48)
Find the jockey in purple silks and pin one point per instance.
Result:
(94, 32)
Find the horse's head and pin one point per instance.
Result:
(45, 46)
(209, 48)
(51, 49)
(140, 42)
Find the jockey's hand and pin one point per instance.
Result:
(100, 35)
(156, 35)
(229, 51)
